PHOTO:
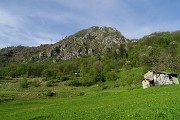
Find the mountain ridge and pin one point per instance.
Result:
(84, 42)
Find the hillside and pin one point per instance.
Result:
(86, 42)
(159, 51)
(94, 55)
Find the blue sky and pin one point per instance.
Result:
(35, 22)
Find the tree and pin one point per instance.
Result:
(98, 75)
(173, 57)
(146, 60)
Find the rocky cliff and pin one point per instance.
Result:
(85, 42)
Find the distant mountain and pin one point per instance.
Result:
(99, 40)
(89, 41)
(102, 51)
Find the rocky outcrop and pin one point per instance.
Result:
(86, 42)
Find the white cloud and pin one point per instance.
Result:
(87, 12)
(8, 19)
(9, 25)
(134, 18)
(44, 38)
(18, 30)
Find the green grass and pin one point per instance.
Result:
(130, 77)
(162, 102)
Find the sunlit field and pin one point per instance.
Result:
(93, 103)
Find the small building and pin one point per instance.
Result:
(159, 78)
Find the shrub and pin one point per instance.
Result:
(47, 73)
(98, 77)
(45, 79)
(104, 87)
(49, 83)
(111, 76)
(51, 93)
(116, 85)
(75, 83)
(64, 78)
(81, 93)
(1, 77)
(87, 81)
(35, 83)
(24, 83)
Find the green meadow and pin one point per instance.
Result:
(93, 103)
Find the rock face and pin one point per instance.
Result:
(86, 42)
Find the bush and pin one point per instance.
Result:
(87, 81)
(81, 93)
(104, 87)
(75, 83)
(51, 93)
(50, 83)
(35, 83)
(47, 73)
(111, 76)
(45, 79)
(24, 83)
(116, 85)
(1, 77)
(98, 77)
(64, 78)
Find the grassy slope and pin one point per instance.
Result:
(162, 102)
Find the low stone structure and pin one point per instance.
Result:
(145, 84)
(159, 78)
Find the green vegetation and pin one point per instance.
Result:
(93, 103)
(106, 85)
(24, 83)
(158, 51)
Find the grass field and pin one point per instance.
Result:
(162, 102)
